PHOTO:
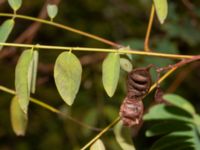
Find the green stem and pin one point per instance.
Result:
(50, 108)
(146, 42)
(87, 49)
(101, 133)
(62, 27)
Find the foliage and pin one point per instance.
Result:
(18, 117)
(67, 74)
(123, 136)
(123, 21)
(176, 123)
(110, 73)
(5, 30)
(52, 10)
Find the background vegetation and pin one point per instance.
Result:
(123, 21)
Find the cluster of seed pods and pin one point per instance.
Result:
(138, 85)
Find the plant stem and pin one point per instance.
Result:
(101, 133)
(146, 43)
(118, 118)
(162, 78)
(63, 27)
(50, 108)
(180, 63)
(87, 49)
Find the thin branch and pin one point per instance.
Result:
(50, 108)
(63, 27)
(30, 32)
(101, 133)
(87, 49)
(179, 64)
(146, 42)
(118, 118)
(181, 77)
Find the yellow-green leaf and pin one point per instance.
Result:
(98, 145)
(18, 118)
(67, 75)
(15, 4)
(126, 64)
(5, 30)
(123, 136)
(33, 71)
(111, 71)
(52, 10)
(22, 79)
(161, 7)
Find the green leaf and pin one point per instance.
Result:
(33, 71)
(67, 75)
(98, 145)
(5, 30)
(22, 79)
(126, 64)
(163, 112)
(15, 4)
(18, 118)
(180, 102)
(123, 136)
(161, 7)
(166, 127)
(52, 10)
(111, 71)
(171, 139)
(197, 122)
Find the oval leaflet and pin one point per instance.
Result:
(67, 75)
(18, 118)
(111, 71)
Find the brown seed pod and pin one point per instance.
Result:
(131, 112)
(138, 83)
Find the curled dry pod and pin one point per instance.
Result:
(138, 83)
(131, 112)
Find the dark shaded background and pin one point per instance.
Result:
(123, 21)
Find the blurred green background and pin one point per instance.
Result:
(123, 21)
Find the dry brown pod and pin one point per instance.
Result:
(131, 112)
(138, 83)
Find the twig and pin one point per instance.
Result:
(50, 108)
(101, 133)
(28, 34)
(181, 77)
(58, 25)
(87, 49)
(179, 64)
(146, 42)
